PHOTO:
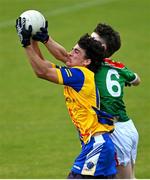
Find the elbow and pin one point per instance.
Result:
(137, 81)
(38, 75)
(47, 74)
(41, 74)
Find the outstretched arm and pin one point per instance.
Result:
(38, 63)
(40, 67)
(36, 48)
(57, 50)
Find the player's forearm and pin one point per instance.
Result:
(137, 81)
(39, 66)
(58, 51)
(36, 48)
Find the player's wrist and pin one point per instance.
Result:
(46, 40)
(26, 44)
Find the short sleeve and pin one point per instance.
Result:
(128, 75)
(73, 77)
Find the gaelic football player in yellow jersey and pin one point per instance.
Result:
(125, 136)
(96, 159)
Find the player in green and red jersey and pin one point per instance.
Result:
(111, 80)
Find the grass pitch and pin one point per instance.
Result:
(37, 138)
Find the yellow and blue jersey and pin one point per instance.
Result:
(82, 100)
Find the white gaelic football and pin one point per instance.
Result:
(34, 18)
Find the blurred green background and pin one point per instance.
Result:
(37, 137)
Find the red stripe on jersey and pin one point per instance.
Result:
(114, 63)
(86, 134)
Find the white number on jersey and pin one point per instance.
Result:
(113, 83)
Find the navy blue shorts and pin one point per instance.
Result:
(97, 157)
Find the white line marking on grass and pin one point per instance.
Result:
(63, 10)
(76, 7)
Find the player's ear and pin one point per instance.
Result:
(87, 62)
(105, 47)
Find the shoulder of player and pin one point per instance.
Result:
(112, 63)
(83, 69)
(78, 71)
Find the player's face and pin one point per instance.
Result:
(77, 57)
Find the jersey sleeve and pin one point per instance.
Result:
(73, 77)
(129, 75)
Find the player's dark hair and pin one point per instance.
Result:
(93, 50)
(110, 37)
